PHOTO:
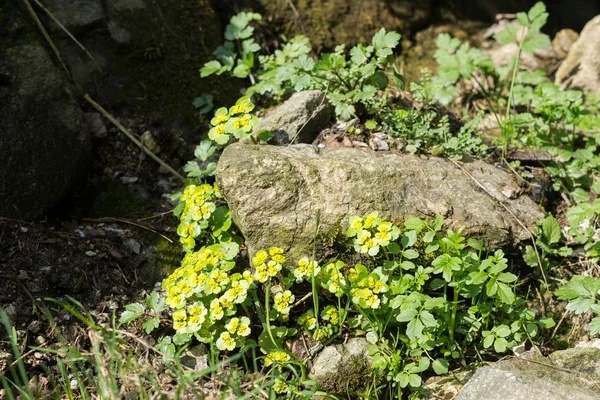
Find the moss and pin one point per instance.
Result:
(354, 376)
(114, 199)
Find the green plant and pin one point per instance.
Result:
(549, 239)
(428, 129)
(347, 81)
(583, 294)
(236, 56)
(423, 298)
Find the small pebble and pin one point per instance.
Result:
(90, 253)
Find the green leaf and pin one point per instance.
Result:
(416, 224)
(446, 264)
(204, 103)
(181, 339)
(407, 315)
(151, 324)
(371, 337)
(505, 293)
(414, 329)
(241, 70)
(428, 319)
(410, 254)
(440, 366)
(488, 341)
(371, 124)
(500, 345)
(551, 230)
(132, 311)
(595, 326)
(383, 41)
(547, 323)
(155, 302)
(210, 68)
(530, 256)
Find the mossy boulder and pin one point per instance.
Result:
(274, 194)
(44, 141)
(343, 369)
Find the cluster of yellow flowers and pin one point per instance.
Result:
(236, 121)
(331, 317)
(283, 303)
(333, 279)
(278, 358)
(306, 269)
(267, 264)
(198, 206)
(371, 233)
(205, 296)
(366, 286)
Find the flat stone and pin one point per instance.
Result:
(274, 194)
(528, 377)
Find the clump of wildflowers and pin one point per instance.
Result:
(201, 214)
(236, 122)
(306, 269)
(267, 264)
(204, 295)
(371, 233)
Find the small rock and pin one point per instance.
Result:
(11, 311)
(133, 245)
(95, 124)
(76, 14)
(90, 253)
(342, 367)
(129, 179)
(504, 55)
(34, 326)
(40, 340)
(563, 41)
(299, 119)
(377, 142)
(74, 385)
(149, 142)
(118, 33)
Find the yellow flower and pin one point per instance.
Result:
(259, 258)
(283, 301)
(277, 357)
(216, 310)
(225, 342)
(273, 251)
(280, 386)
(261, 274)
(244, 327)
(371, 220)
(306, 269)
(273, 268)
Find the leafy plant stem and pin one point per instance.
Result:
(509, 100)
(453, 316)
(267, 309)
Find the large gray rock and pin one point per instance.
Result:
(299, 119)
(581, 68)
(530, 377)
(44, 140)
(76, 14)
(343, 368)
(275, 192)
